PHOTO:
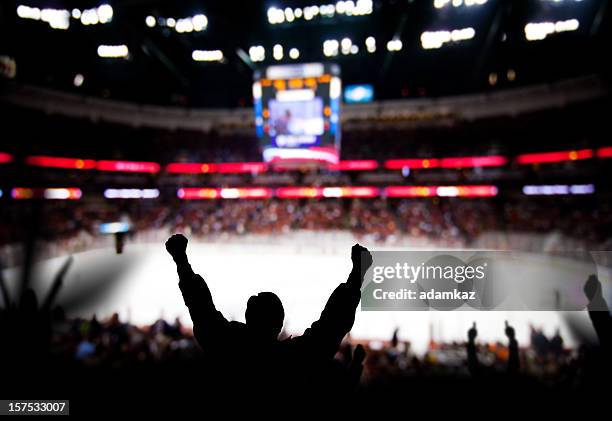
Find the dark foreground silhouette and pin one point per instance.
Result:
(251, 355)
(110, 366)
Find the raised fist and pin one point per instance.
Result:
(358, 253)
(510, 331)
(177, 245)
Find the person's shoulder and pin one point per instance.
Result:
(234, 332)
(294, 342)
(236, 325)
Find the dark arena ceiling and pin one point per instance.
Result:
(491, 46)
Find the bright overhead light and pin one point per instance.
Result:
(462, 34)
(207, 55)
(56, 18)
(105, 13)
(199, 22)
(308, 13)
(89, 17)
(330, 47)
(345, 45)
(277, 52)
(362, 7)
(275, 15)
(439, 4)
(567, 25)
(394, 45)
(347, 8)
(60, 18)
(188, 24)
(257, 53)
(113, 51)
(370, 43)
(327, 10)
(289, 17)
(540, 30)
(294, 53)
(436, 39)
(184, 25)
(26, 12)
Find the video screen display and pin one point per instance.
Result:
(297, 113)
(358, 94)
(290, 121)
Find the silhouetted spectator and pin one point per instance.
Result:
(472, 357)
(514, 364)
(250, 353)
(599, 312)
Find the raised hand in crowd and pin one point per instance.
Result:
(513, 351)
(472, 356)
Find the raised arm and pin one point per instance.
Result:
(472, 357)
(338, 316)
(207, 321)
(514, 364)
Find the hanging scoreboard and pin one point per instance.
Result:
(297, 113)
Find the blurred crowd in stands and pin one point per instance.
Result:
(117, 344)
(446, 222)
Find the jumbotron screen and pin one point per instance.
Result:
(297, 113)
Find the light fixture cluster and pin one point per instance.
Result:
(344, 8)
(436, 39)
(258, 53)
(113, 51)
(60, 18)
(394, 45)
(346, 46)
(207, 55)
(195, 23)
(537, 31)
(440, 4)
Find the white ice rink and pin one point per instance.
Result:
(302, 276)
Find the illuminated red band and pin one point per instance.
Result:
(549, 157)
(59, 162)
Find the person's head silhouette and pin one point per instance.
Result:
(265, 315)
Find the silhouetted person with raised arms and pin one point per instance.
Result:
(249, 358)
